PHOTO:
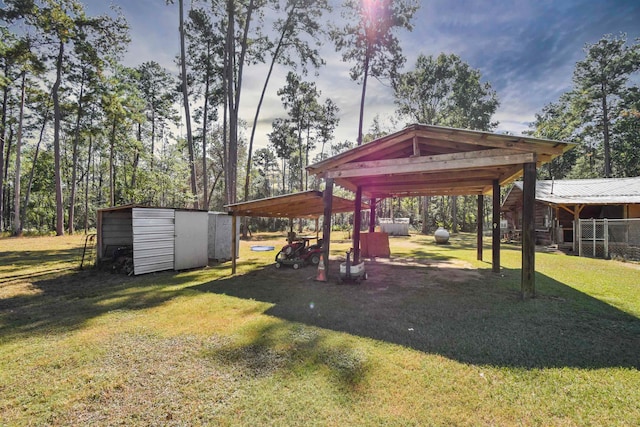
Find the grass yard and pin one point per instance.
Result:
(432, 338)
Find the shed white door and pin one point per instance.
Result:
(153, 231)
(191, 240)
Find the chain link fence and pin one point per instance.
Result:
(609, 238)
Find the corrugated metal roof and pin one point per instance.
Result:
(605, 191)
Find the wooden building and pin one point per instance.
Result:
(560, 203)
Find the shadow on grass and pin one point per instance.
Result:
(473, 316)
(65, 301)
(24, 259)
(293, 348)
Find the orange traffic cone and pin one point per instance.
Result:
(322, 277)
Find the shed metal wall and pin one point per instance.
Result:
(191, 241)
(153, 239)
(220, 225)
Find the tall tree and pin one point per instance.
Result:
(236, 51)
(283, 138)
(98, 42)
(185, 101)
(17, 225)
(446, 91)
(601, 79)
(558, 121)
(301, 18)
(328, 122)
(157, 88)
(59, 24)
(369, 39)
(205, 60)
(18, 58)
(300, 99)
(626, 136)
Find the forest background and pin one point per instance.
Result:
(80, 130)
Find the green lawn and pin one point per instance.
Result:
(432, 338)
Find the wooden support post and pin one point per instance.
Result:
(577, 233)
(480, 221)
(234, 236)
(99, 252)
(290, 232)
(357, 216)
(326, 222)
(495, 228)
(372, 216)
(528, 284)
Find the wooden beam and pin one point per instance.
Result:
(528, 284)
(357, 217)
(359, 152)
(443, 162)
(480, 217)
(425, 192)
(495, 229)
(372, 215)
(510, 175)
(326, 223)
(432, 178)
(496, 141)
(234, 250)
(416, 147)
(566, 208)
(100, 250)
(427, 186)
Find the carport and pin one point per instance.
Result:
(425, 160)
(306, 204)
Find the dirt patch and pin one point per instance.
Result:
(434, 270)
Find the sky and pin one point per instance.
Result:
(526, 49)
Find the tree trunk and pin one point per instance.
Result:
(362, 98)
(7, 200)
(425, 214)
(187, 113)
(300, 155)
(17, 224)
(136, 159)
(86, 188)
(205, 121)
(112, 175)
(232, 142)
(57, 116)
(605, 131)
(234, 94)
(454, 214)
(74, 162)
(3, 124)
(33, 166)
(153, 136)
(274, 58)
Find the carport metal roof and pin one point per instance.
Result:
(601, 191)
(425, 160)
(306, 204)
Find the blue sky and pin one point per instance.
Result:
(526, 49)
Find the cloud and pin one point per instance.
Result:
(526, 49)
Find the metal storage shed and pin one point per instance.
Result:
(160, 238)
